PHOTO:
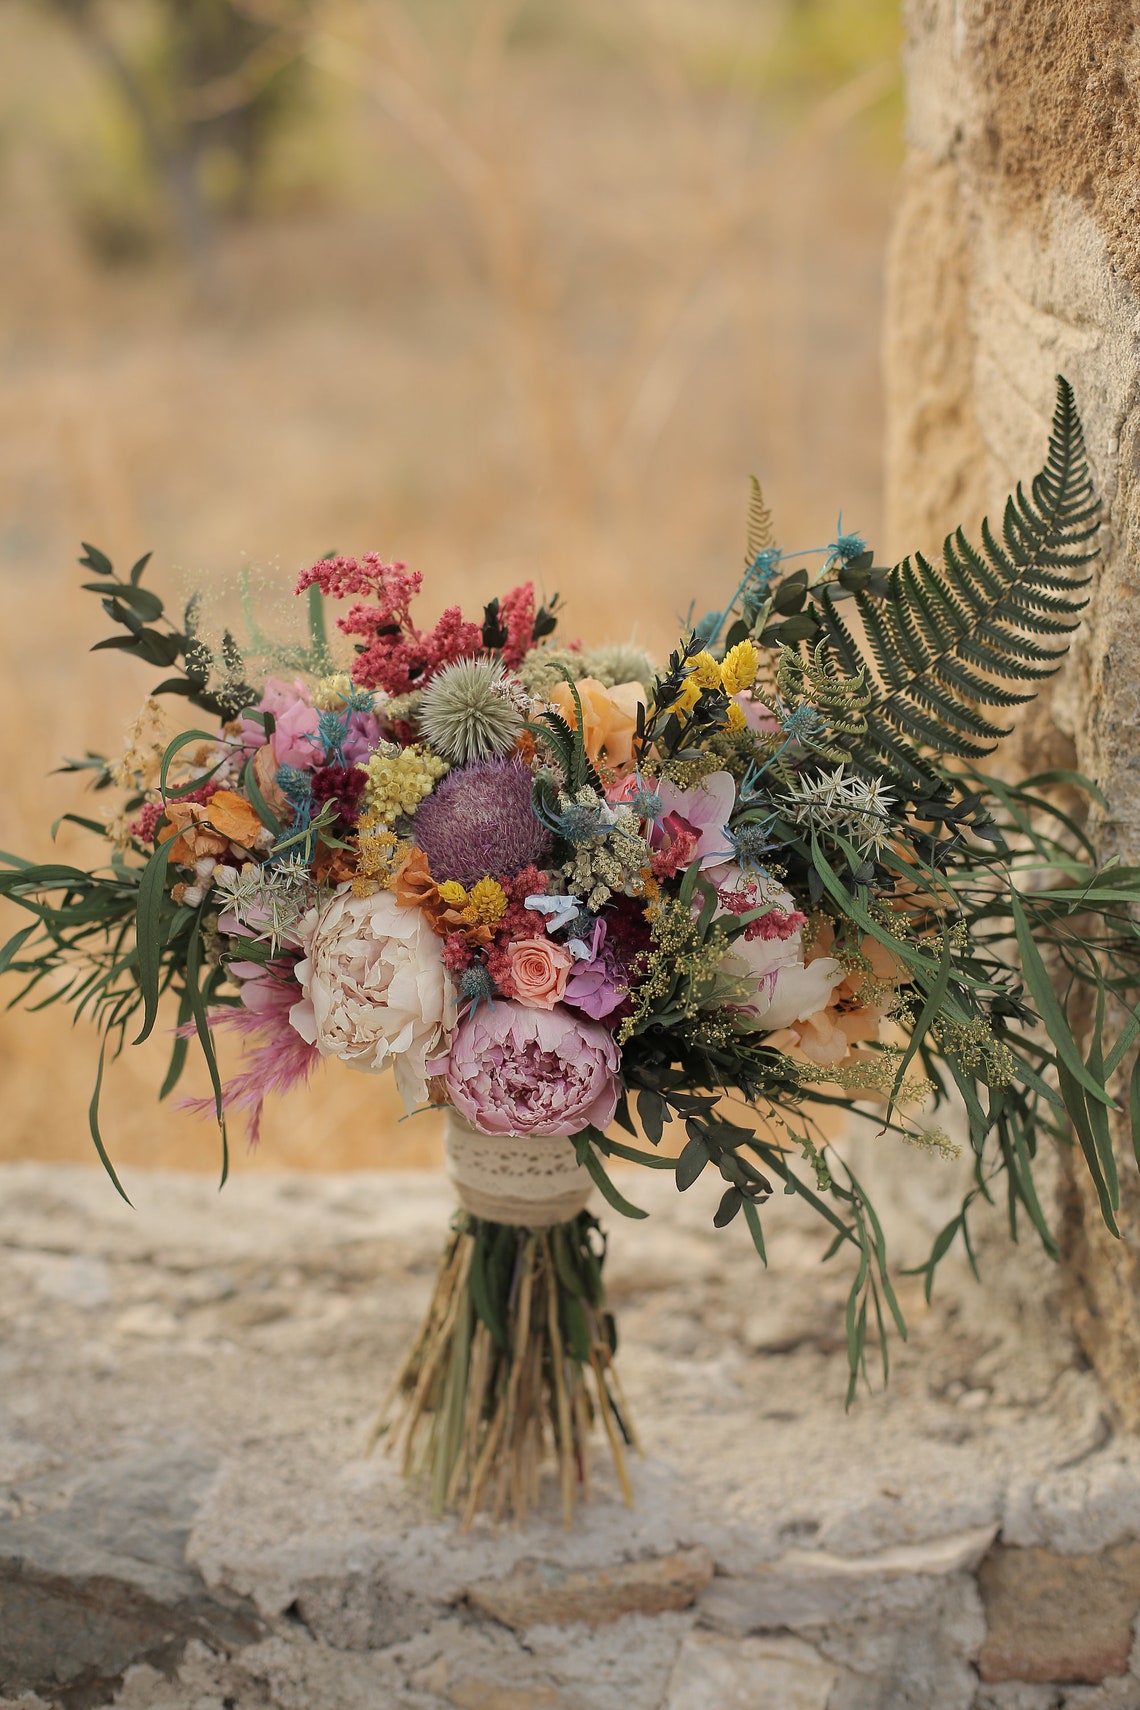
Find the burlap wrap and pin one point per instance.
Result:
(531, 1181)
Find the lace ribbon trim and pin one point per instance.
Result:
(530, 1181)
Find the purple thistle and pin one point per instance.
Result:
(480, 820)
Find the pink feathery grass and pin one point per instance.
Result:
(276, 1058)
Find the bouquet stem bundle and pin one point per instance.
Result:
(514, 1358)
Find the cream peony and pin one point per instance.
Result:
(784, 989)
(376, 990)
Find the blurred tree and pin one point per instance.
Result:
(206, 83)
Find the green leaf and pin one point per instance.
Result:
(93, 1121)
(731, 1201)
(1134, 1106)
(486, 1307)
(634, 1155)
(755, 1229)
(179, 1050)
(258, 802)
(95, 560)
(15, 944)
(1049, 1008)
(577, 1329)
(691, 1163)
(1077, 1108)
(149, 644)
(183, 740)
(605, 1186)
(148, 934)
(651, 1111)
(141, 601)
(205, 1039)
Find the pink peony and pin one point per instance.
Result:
(514, 1070)
(296, 724)
(538, 969)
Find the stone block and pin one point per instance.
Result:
(1058, 1618)
(748, 1674)
(543, 1593)
(808, 1588)
(99, 1584)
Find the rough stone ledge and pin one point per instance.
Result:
(188, 1520)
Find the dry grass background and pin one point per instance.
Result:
(531, 290)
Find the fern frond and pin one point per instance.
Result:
(760, 533)
(947, 642)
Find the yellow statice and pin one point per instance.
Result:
(399, 779)
(735, 719)
(453, 893)
(738, 667)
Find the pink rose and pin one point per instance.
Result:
(513, 1070)
(538, 969)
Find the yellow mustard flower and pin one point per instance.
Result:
(738, 667)
(704, 670)
(687, 699)
(486, 903)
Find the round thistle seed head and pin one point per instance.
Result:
(464, 714)
(620, 662)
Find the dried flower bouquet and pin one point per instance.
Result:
(560, 890)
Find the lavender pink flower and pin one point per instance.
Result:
(599, 985)
(514, 1070)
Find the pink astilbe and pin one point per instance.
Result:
(516, 614)
(397, 656)
(776, 924)
(276, 1058)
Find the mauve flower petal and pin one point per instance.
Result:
(514, 1070)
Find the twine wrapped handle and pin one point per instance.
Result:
(530, 1181)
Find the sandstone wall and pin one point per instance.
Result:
(1016, 256)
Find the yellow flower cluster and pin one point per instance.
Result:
(379, 853)
(484, 904)
(331, 693)
(735, 673)
(399, 779)
(738, 667)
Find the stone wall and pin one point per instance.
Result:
(1015, 257)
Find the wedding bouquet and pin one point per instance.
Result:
(559, 889)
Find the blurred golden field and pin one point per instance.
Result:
(516, 290)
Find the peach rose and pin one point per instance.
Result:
(609, 717)
(538, 970)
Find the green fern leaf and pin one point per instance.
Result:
(947, 642)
